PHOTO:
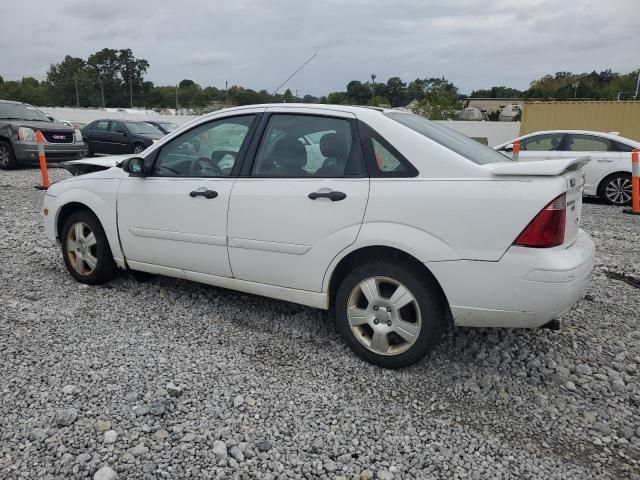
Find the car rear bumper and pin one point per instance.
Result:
(28, 152)
(525, 289)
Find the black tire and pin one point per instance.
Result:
(616, 189)
(105, 267)
(138, 146)
(7, 158)
(87, 150)
(426, 294)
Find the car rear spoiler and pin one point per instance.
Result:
(553, 167)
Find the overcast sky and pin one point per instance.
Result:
(258, 44)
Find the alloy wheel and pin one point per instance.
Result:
(82, 249)
(618, 191)
(384, 315)
(138, 149)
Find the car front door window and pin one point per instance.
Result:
(209, 150)
(542, 143)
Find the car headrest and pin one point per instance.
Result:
(289, 152)
(331, 145)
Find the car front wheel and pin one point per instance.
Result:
(85, 249)
(7, 158)
(390, 314)
(616, 189)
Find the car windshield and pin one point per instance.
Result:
(455, 141)
(142, 128)
(19, 111)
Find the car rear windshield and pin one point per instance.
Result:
(455, 141)
(19, 111)
(143, 128)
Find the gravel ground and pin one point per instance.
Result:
(171, 379)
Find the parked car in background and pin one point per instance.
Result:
(114, 137)
(403, 225)
(164, 127)
(19, 123)
(608, 175)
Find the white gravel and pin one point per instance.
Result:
(171, 379)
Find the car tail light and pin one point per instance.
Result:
(547, 227)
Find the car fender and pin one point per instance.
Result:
(622, 165)
(399, 236)
(102, 204)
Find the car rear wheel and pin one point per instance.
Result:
(85, 249)
(7, 158)
(390, 315)
(616, 189)
(138, 148)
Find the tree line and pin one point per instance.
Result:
(116, 78)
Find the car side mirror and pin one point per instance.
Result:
(135, 167)
(122, 132)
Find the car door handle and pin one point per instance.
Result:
(333, 195)
(605, 160)
(204, 193)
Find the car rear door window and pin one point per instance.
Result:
(209, 150)
(299, 146)
(547, 142)
(589, 143)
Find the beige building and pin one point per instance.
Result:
(601, 116)
(490, 105)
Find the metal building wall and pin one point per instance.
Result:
(603, 116)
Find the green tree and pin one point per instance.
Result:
(440, 101)
(396, 91)
(358, 93)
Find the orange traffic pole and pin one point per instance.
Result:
(635, 184)
(516, 150)
(43, 161)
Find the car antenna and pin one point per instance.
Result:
(292, 75)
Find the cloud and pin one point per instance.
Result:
(474, 43)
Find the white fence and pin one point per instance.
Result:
(495, 133)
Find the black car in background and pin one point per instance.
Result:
(164, 127)
(19, 123)
(115, 137)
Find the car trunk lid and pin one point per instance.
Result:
(570, 169)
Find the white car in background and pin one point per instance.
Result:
(403, 226)
(608, 175)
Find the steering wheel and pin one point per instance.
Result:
(205, 167)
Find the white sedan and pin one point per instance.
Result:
(608, 175)
(403, 227)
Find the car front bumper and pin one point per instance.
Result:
(28, 152)
(526, 288)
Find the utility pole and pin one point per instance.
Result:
(635, 95)
(102, 92)
(176, 98)
(373, 88)
(226, 93)
(131, 90)
(75, 80)
(296, 95)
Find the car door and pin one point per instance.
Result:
(119, 137)
(603, 152)
(174, 221)
(289, 215)
(98, 136)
